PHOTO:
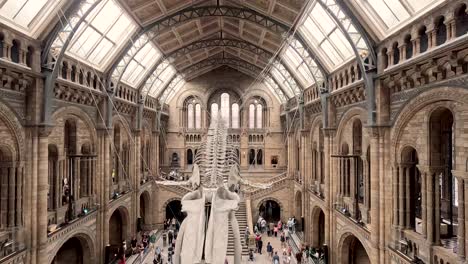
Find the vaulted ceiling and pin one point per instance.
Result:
(216, 36)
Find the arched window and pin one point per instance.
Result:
(225, 108)
(408, 47)
(197, 116)
(441, 31)
(214, 111)
(235, 115)
(189, 157)
(423, 40)
(396, 53)
(461, 20)
(259, 157)
(252, 157)
(190, 116)
(15, 57)
(259, 116)
(252, 116)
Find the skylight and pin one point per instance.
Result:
(282, 82)
(275, 89)
(159, 79)
(141, 64)
(322, 32)
(389, 15)
(28, 15)
(172, 88)
(301, 70)
(102, 34)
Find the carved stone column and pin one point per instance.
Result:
(401, 197)
(42, 189)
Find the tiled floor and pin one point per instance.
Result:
(261, 259)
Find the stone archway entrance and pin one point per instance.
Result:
(73, 251)
(353, 252)
(270, 210)
(174, 210)
(318, 227)
(145, 214)
(298, 212)
(116, 228)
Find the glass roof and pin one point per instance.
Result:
(28, 15)
(282, 82)
(321, 31)
(141, 64)
(176, 84)
(275, 89)
(302, 71)
(159, 79)
(102, 34)
(388, 15)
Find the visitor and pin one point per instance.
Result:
(275, 231)
(276, 259)
(286, 234)
(246, 236)
(271, 226)
(152, 239)
(299, 257)
(260, 246)
(226, 261)
(170, 236)
(280, 225)
(251, 255)
(257, 238)
(158, 258)
(169, 254)
(269, 249)
(133, 244)
(283, 240)
(293, 224)
(264, 226)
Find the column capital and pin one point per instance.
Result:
(329, 131)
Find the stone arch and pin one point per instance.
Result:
(269, 198)
(262, 94)
(11, 120)
(86, 237)
(80, 114)
(170, 212)
(348, 118)
(318, 226)
(124, 215)
(413, 106)
(346, 241)
(145, 207)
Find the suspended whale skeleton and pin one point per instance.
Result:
(203, 234)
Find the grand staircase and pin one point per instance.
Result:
(241, 216)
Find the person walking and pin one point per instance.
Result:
(283, 240)
(246, 236)
(276, 258)
(260, 246)
(170, 236)
(275, 230)
(269, 250)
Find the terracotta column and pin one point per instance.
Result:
(401, 196)
(430, 206)
(42, 189)
(408, 195)
(395, 196)
(461, 218)
(11, 196)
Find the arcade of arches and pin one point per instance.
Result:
(358, 117)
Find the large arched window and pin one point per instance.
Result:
(235, 115)
(259, 116)
(214, 111)
(225, 108)
(197, 116)
(190, 116)
(252, 116)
